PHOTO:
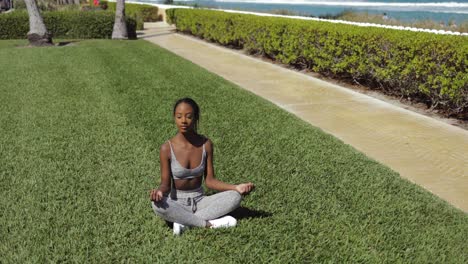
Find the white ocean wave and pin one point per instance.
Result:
(451, 12)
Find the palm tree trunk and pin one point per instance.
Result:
(120, 27)
(38, 34)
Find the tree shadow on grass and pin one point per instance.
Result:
(158, 34)
(56, 44)
(66, 43)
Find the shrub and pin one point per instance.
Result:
(20, 4)
(64, 24)
(47, 5)
(141, 13)
(14, 25)
(421, 66)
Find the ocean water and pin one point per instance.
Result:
(409, 10)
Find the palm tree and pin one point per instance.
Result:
(38, 34)
(120, 27)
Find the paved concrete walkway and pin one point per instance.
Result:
(426, 151)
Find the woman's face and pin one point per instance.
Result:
(184, 117)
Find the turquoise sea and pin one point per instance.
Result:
(410, 10)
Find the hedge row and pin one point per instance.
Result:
(141, 13)
(64, 24)
(421, 66)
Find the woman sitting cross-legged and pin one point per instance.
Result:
(187, 157)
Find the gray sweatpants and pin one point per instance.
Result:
(193, 208)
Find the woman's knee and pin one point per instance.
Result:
(159, 208)
(235, 196)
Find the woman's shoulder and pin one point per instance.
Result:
(165, 147)
(207, 143)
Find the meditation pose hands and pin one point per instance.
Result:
(245, 188)
(156, 195)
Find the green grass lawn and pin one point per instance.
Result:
(80, 130)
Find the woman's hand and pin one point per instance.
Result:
(245, 188)
(156, 195)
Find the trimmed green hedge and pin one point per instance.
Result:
(421, 66)
(141, 13)
(65, 24)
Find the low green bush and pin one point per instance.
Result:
(420, 66)
(14, 25)
(65, 24)
(47, 5)
(141, 13)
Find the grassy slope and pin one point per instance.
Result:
(80, 130)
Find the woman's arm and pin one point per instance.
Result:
(165, 185)
(215, 184)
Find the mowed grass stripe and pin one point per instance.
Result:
(81, 129)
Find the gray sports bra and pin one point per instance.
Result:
(181, 173)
